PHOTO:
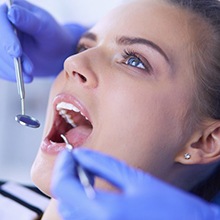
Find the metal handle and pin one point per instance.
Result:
(20, 82)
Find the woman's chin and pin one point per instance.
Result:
(41, 172)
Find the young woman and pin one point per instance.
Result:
(146, 79)
(143, 88)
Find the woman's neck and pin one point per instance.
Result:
(51, 211)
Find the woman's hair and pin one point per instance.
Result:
(205, 55)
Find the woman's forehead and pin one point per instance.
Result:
(156, 21)
(146, 17)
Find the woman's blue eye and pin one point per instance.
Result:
(135, 62)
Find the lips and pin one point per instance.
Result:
(72, 120)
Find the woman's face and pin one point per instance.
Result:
(132, 81)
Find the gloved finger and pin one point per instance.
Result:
(75, 211)
(7, 71)
(27, 78)
(68, 212)
(24, 4)
(25, 20)
(115, 172)
(65, 183)
(8, 38)
(27, 65)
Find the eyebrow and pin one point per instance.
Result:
(90, 36)
(124, 40)
(137, 40)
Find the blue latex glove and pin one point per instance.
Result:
(43, 44)
(142, 196)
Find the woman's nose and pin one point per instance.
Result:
(78, 67)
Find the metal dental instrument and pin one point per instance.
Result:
(22, 118)
(84, 179)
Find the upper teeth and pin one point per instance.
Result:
(67, 106)
(62, 107)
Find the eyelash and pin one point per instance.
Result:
(132, 54)
(81, 48)
(126, 55)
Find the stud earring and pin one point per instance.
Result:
(187, 156)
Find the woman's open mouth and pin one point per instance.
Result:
(71, 120)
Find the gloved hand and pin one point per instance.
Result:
(142, 196)
(42, 43)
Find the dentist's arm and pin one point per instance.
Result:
(42, 43)
(142, 196)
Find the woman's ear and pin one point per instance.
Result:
(203, 148)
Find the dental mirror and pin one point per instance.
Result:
(22, 118)
(27, 121)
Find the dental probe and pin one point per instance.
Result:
(84, 179)
(22, 118)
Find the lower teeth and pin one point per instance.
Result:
(52, 142)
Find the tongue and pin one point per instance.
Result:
(77, 136)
